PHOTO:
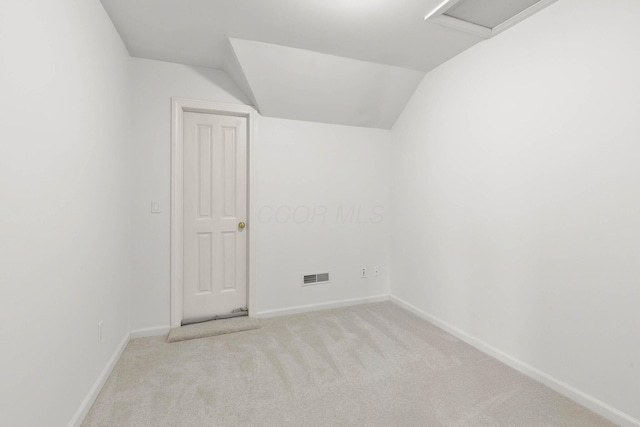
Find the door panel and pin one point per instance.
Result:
(215, 202)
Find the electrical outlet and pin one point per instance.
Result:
(100, 331)
(376, 271)
(363, 272)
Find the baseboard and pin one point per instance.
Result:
(322, 306)
(150, 332)
(565, 389)
(84, 408)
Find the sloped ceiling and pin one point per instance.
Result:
(351, 62)
(293, 83)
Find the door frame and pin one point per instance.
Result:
(179, 106)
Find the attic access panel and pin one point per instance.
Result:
(485, 18)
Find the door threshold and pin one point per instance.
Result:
(238, 312)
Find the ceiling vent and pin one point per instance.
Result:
(484, 18)
(314, 279)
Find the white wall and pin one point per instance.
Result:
(64, 213)
(322, 205)
(336, 166)
(515, 196)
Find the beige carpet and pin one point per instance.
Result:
(369, 365)
(213, 328)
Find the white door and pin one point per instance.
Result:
(215, 209)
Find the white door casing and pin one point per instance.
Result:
(210, 254)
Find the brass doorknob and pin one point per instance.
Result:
(242, 225)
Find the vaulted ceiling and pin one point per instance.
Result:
(353, 62)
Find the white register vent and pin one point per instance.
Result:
(314, 279)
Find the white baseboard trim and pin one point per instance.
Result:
(84, 408)
(150, 332)
(588, 401)
(322, 306)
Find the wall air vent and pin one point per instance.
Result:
(314, 279)
(484, 18)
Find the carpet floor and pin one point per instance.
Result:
(368, 365)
